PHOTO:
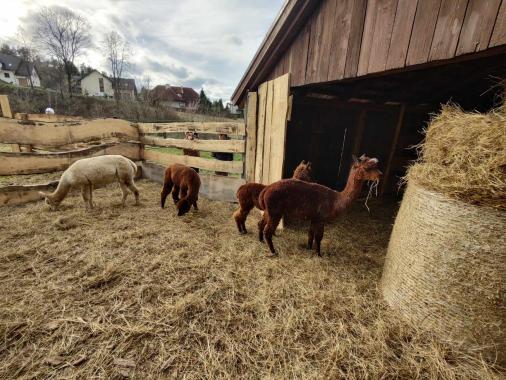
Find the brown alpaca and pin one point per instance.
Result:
(184, 181)
(247, 195)
(313, 202)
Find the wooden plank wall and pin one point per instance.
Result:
(56, 134)
(251, 136)
(273, 108)
(31, 163)
(349, 38)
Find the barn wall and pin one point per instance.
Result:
(349, 38)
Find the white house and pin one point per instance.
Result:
(16, 71)
(96, 84)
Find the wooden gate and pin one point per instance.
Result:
(266, 120)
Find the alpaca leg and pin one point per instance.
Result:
(86, 196)
(134, 190)
(90, 191)
(175, 194)
(124, 190)
(269, 230)
(238, 217)
(261, 226)
(167, 187)
(319, 228)
(310, 236)
(195, 204)
(244, 215)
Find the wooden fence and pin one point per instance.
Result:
(48, 143)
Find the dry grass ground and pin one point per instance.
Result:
(138, 292)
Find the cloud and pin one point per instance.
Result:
(235, 40)
(198, 43)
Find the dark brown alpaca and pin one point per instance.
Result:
(183, 181)
(313, 202)
(247, 195)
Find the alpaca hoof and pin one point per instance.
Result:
(272, 255)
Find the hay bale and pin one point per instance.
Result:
(446, 269)
(464, 156)
(446, 263)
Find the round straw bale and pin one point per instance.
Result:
(463, 156)
(446, 269)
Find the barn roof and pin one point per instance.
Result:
(289, 20)
(325, 41)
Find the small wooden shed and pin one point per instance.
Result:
(337, 77)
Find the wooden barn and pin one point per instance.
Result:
(334, 78)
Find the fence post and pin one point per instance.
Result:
(251, 136)
(5, 106)
(6, 112)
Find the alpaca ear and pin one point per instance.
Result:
(354, 158)
(362, 157)
(374, 160)
(309, 165)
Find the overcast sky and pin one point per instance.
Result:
(196, 43)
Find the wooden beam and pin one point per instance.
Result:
(31, 163)
(227, 146)
(393, 148)
(14, 195)
(5, 106)
(195, 162)
(230, 128)
(251, 136)
(55, 134)
(46, 118)
(360, 131)
(262, 106)
(217, 188)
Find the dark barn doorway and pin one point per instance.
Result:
(382, 116)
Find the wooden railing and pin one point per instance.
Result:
(48, 143)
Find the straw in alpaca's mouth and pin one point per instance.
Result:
(373, 189)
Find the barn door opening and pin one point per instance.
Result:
(269, 111)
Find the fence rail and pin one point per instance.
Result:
(137, 141)
(230, 128)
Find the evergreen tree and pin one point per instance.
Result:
(205, 104)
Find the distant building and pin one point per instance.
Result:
(127, 89)
(181, 98)
(17, 71)
(98, 84)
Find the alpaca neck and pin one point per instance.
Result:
(61, 192)
(351, 192)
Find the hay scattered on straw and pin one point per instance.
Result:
(138, 292)
(464, 156)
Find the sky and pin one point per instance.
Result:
(197, 43)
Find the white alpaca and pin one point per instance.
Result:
(95, 171)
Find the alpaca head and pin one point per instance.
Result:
(183, 206)
(303, 171)
(366, 169)
(50, 201)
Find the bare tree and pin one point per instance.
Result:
(27, 50)
(64, 35)
(117, 51)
